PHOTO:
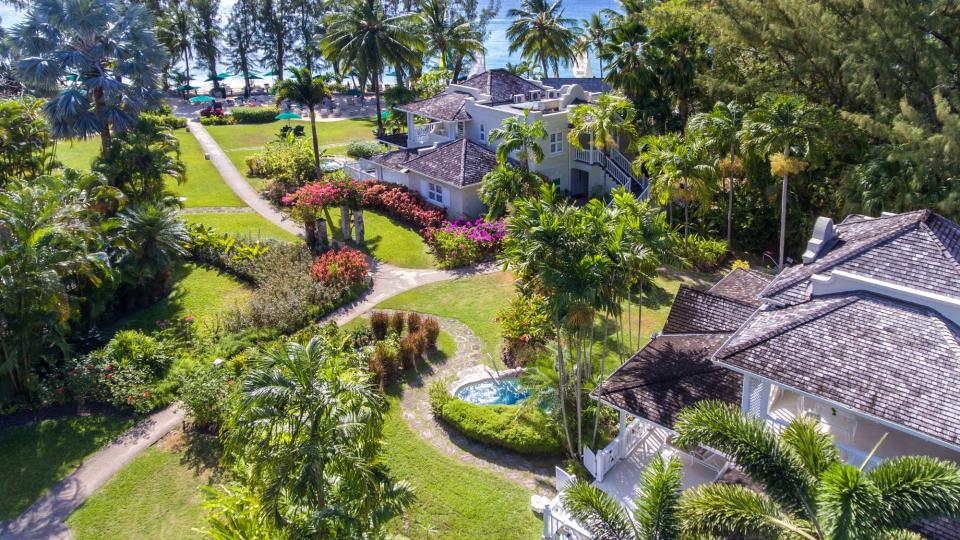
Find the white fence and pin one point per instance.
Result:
(355, 172)
(601, 462)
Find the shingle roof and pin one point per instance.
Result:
(448, 107)
(668, 374)
(702, 312)
(500, 84)
(939, 529)
(882, 357)
(742, 284)
(395, 159)
(589, 84)
(917, 249)
(460, 162)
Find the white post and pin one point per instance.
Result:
(745, 397)
(547, 518)
(623, 434)
(410, 128)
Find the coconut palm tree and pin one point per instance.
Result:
(518, 134)
(595, 31)
(525, 69)
(309, 91)
(174, 31)
(602, 123)
(108, 48)
(541, 33)
(505, 184)
(719, 129)
(448, 35)
(206, 34)
(784, 129)
(626, 37)
(363, 36)
(807, 492)
(241, 36)
(310, 425)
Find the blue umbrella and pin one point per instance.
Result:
(201, 99)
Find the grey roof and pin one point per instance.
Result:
(500, 84)
(938, 529)
(460, 162)
(703, 312)
(394, 139)
(916, 249)
(395, 159)
(589, 84)
(448, 107)
(668, 374)
(883, 357)
(742, 284)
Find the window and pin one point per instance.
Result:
(435, 193)
(556, 143)
(483, 133)
(556, 182)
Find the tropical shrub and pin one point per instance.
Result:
(463, 243)
(379, 321)
(363, 149)
(525, 430)
(26, 138)
(407, 352)
(166, 119)
(204, 391)
(704, 254)
(526, 328)
(402, 204)
(223, 250)
(346, 267)
(254, 115)
(431, 331)
(439, 394)
(413, 322)
(396, 322)
(217, 119)
(383, 361)
(288, 164)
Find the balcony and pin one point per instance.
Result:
(432, 133)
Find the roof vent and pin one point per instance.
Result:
(823, 233)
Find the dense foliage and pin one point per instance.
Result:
(254, 115)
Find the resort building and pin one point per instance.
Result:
(446, 150)
(863, 337)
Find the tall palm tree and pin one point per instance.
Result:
(241, 36)
(602, 123)
(784, 129)
(541, 33)
(519, 135)
(363, 36)
(595, 31)
(807, 492)
(206, 34)
(110, 47)
(310, 425)
(719, 129)
(174, 30)
(525, 69)
(505, 184)
(448, 34)
(681, 170)
(626, 37)
(309, 91)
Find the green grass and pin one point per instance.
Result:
(38, 455)
(472, 300)
(200, 292)
(386, 239)
(204, 187)
(78, 153)
(157, 496)
(249, 225)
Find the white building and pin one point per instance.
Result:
(446, 150)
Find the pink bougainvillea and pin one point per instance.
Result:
(347, 266)
(461, 243)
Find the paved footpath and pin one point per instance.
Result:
(45, 518)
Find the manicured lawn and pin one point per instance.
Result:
(473, 300)
(157, 495)
(200, 292)
(249, 225)
(36, 456)
(78, 153)
(387, 240)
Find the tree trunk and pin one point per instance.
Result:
(783, 209)
(376, 94)
(316, 146)
(730, 204)
(358, 227)
(310, 234)
(562, 392)
(686, 223)
(323, 242)
(603, 368)
(344, 222)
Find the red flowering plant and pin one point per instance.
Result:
(402, 204)
(346, 266)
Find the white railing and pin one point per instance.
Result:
(621, 160)
(559, 526)
(601, 462)
(430, 133)
(357, 173)
(848, 454)
(585, 155)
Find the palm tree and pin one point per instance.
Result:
(680, 170)
(807, 492)
(141, 160)
(309, 424)
(241, 35)
(519, 135)
(448, 35)
(505, 184)
(626, 37)
(307, 90)
(111, 49)
(525, 69)
(206, 34)
(602, 123)
(174, 31)
(720, 130)
(783, 128)
(153, 238)
(595, 31)
(542, 34)
(363, 36)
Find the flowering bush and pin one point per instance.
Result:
(289, 165)
(316, 195)
(403, 204)
(462, 243)
(347, 267)
(526, 329)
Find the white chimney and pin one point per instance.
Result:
(823, 234)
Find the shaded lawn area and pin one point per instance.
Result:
(38, 455)
(78, 153)
(386, 239)
(200, 292)
(157, 495)
(247, 225)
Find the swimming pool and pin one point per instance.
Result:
(506, 391)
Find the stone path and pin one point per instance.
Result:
(535, 475)
(45, 518)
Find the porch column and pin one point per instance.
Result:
(409, 128)
(621, 434)
(756, 397)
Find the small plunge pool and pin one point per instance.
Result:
(506, 391)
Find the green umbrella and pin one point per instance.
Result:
(253, 76)
(201, 99)
(224, 75)
(217, 78)
(289, 115)
(384, 114)
(270, 74)
(72, 77)
(186, 88)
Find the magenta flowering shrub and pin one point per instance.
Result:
(462, 243)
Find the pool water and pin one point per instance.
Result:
(506, 391)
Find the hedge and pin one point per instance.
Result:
(523, 430)
(254, 115)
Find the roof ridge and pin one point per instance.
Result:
(727, 350)
(463, 162)
(936, 238)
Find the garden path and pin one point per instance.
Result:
(533, 473)
(45, 518)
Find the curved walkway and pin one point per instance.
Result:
(535, 475)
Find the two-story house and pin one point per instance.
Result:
(863, 337)
(446, 150)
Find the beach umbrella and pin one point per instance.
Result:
(289, 115)
(187, 88)
(201, 99)
(254, 76)
(224, 75)
(72, 77)
(217, 78)
(384, 114)
(270, 74)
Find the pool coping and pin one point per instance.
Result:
(479, 373)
